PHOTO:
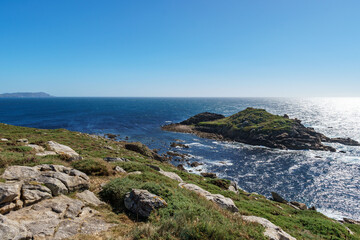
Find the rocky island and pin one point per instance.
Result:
(59, 184)
(257, 127)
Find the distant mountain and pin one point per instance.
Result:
(26, 95)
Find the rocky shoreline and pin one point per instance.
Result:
(257, 127)
(58, 184)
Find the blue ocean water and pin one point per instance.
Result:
(329, 181)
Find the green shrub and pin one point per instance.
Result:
(91, 167)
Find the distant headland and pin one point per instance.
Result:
(26, 95)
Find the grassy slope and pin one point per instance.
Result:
(187, 216)
(258, 119)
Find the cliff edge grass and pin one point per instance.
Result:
(257, 127)
(187, 215)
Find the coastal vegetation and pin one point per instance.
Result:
(187, 214)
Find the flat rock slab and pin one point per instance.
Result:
(58, 218)
(171, 175)
(272, 231)
(64, 150)
(89, 197)
(220, 200)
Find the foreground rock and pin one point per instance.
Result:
(272, 231)
(142, 202)
(258, 127)
(64, 150)
(30, 185)
(57, 218)
(220, 200)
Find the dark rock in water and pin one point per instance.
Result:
(344, 141)
(195, 164)
(181, 167)
(143, 150)
(257, 127)
(202, 117)
(277, 198)
(174, 145)
(176, 154)
(301, 206)
(142, 203)
(111, 136)
(209, 175)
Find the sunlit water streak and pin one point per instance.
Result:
(330, 181)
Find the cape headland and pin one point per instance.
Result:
(257, 127)
(26, 95)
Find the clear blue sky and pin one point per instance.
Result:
(232, 48)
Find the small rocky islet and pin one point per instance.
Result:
(59, 184)
(258, 127)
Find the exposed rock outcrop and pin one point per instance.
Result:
(272, 231)
(89, 197)
(142, 203)
(30, 185)
(220, 200)
(64, 150)
(57, 218)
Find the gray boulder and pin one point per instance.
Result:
(64, 150)
(220, 200)
(36, 148)
(32, 193)
(89, 197)
(9, 192)
(119, 169)
(142, 202)
(272, 231)
(171, 175)
(22, 140)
